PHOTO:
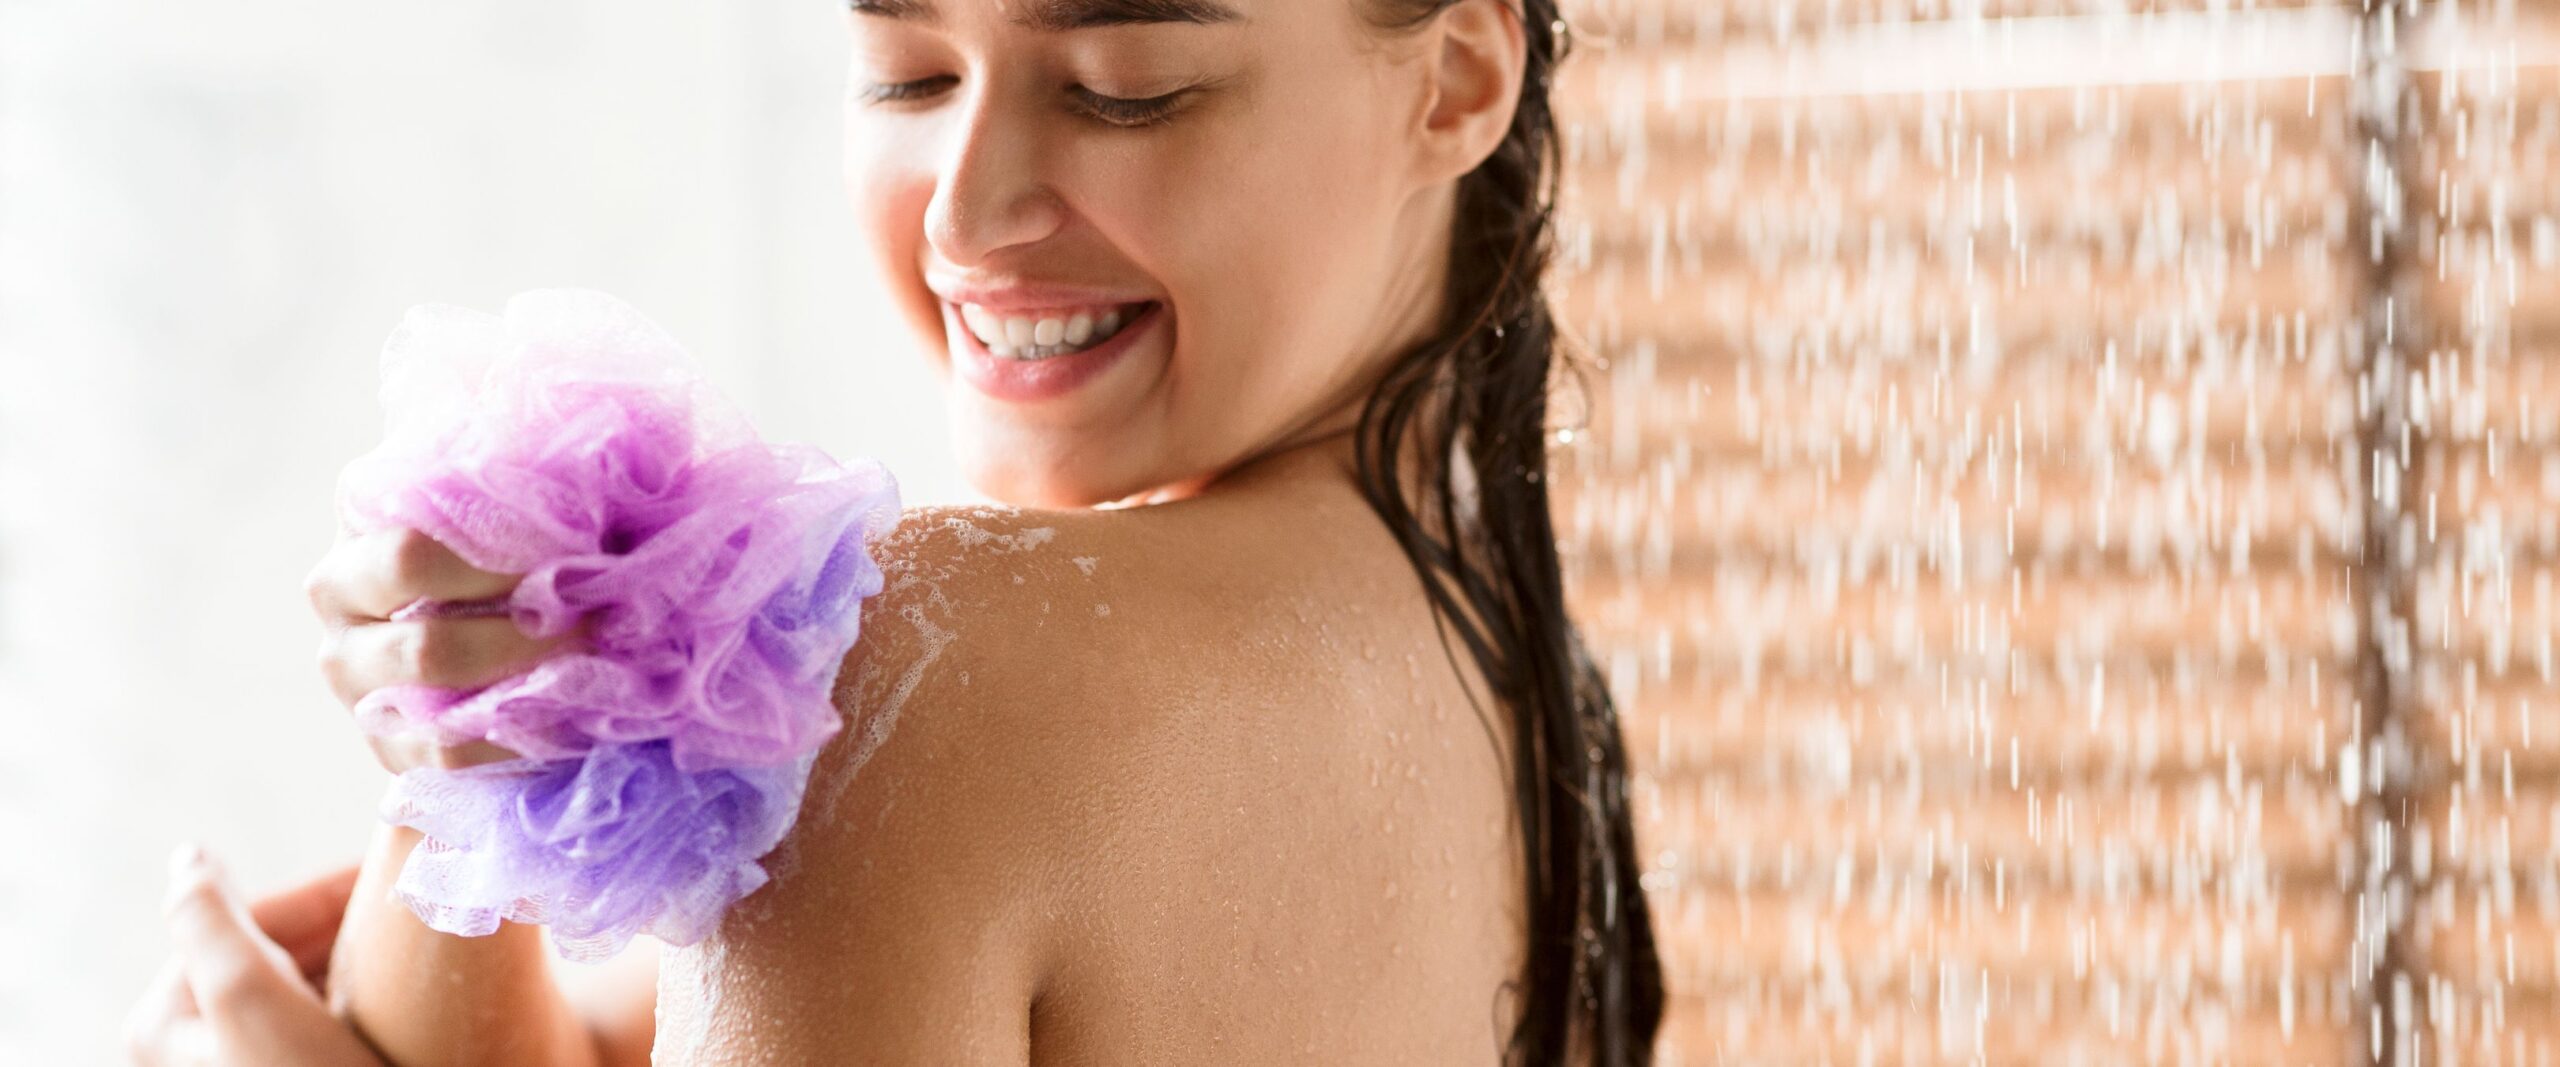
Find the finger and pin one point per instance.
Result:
(399, 753)
(472, 754)
(450, 653)
(369, 577)
(187, 1042)
(425, 608)
(245, 988)
(304, 919)
(192, 1044)
(149, 1029)
(169, 993)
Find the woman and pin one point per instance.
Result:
(1177, 762)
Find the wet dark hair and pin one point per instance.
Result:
(1452, 454)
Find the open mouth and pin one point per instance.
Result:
(1050, 333)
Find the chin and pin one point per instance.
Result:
(1035, 470)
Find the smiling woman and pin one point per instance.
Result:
(1218, 176)
(1315, 220)
(1255, 732)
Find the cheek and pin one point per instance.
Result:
(889, 193)
(1258, 228)
(1221, 213)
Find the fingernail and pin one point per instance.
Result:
(185, 859)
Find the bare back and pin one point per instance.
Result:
(1193, 783)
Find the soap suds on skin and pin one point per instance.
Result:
(1085, 564)
(917, 588)
(691, 979)
(879, 699)
(932, 637)
(690, 982)
(974, 536)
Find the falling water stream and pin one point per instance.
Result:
(2067, 494)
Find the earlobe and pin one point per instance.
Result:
(1475, 83)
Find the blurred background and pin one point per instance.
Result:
(2070, 503)
(2066, 491)
(210, 218)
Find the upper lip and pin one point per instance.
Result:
(1029, 296)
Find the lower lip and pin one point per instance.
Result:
(1027, 380)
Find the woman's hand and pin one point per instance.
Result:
(401, 608)
(243, 984)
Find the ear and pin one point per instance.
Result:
(1473, 75)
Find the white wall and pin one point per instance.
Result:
(210, 215)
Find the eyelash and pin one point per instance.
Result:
(901, 92)
(1127, 113)
(1122, 112)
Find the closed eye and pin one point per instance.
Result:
(1119, 111)
(1126, 111)
(899, 92)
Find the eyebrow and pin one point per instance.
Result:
(1056, 16)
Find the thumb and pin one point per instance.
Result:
(244, 984)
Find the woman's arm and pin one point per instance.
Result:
(424, 998)
(247, 981)
(242, 981)
(618, 998)
(419, 996)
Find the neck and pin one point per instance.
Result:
(1322, 451)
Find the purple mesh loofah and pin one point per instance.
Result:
(600, 848)
(718, 581)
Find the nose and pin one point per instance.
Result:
(990, 195)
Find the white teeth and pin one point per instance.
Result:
(1019, 338)
(983, 323)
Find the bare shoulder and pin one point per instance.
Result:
(1020, 637)
(902, 922)
(1058, 727)
(989, 628)
(1038, 620)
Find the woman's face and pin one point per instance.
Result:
(1144, 240)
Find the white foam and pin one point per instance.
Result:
(877, 700)
(689, 986)
(878, 691)
(972, 535)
